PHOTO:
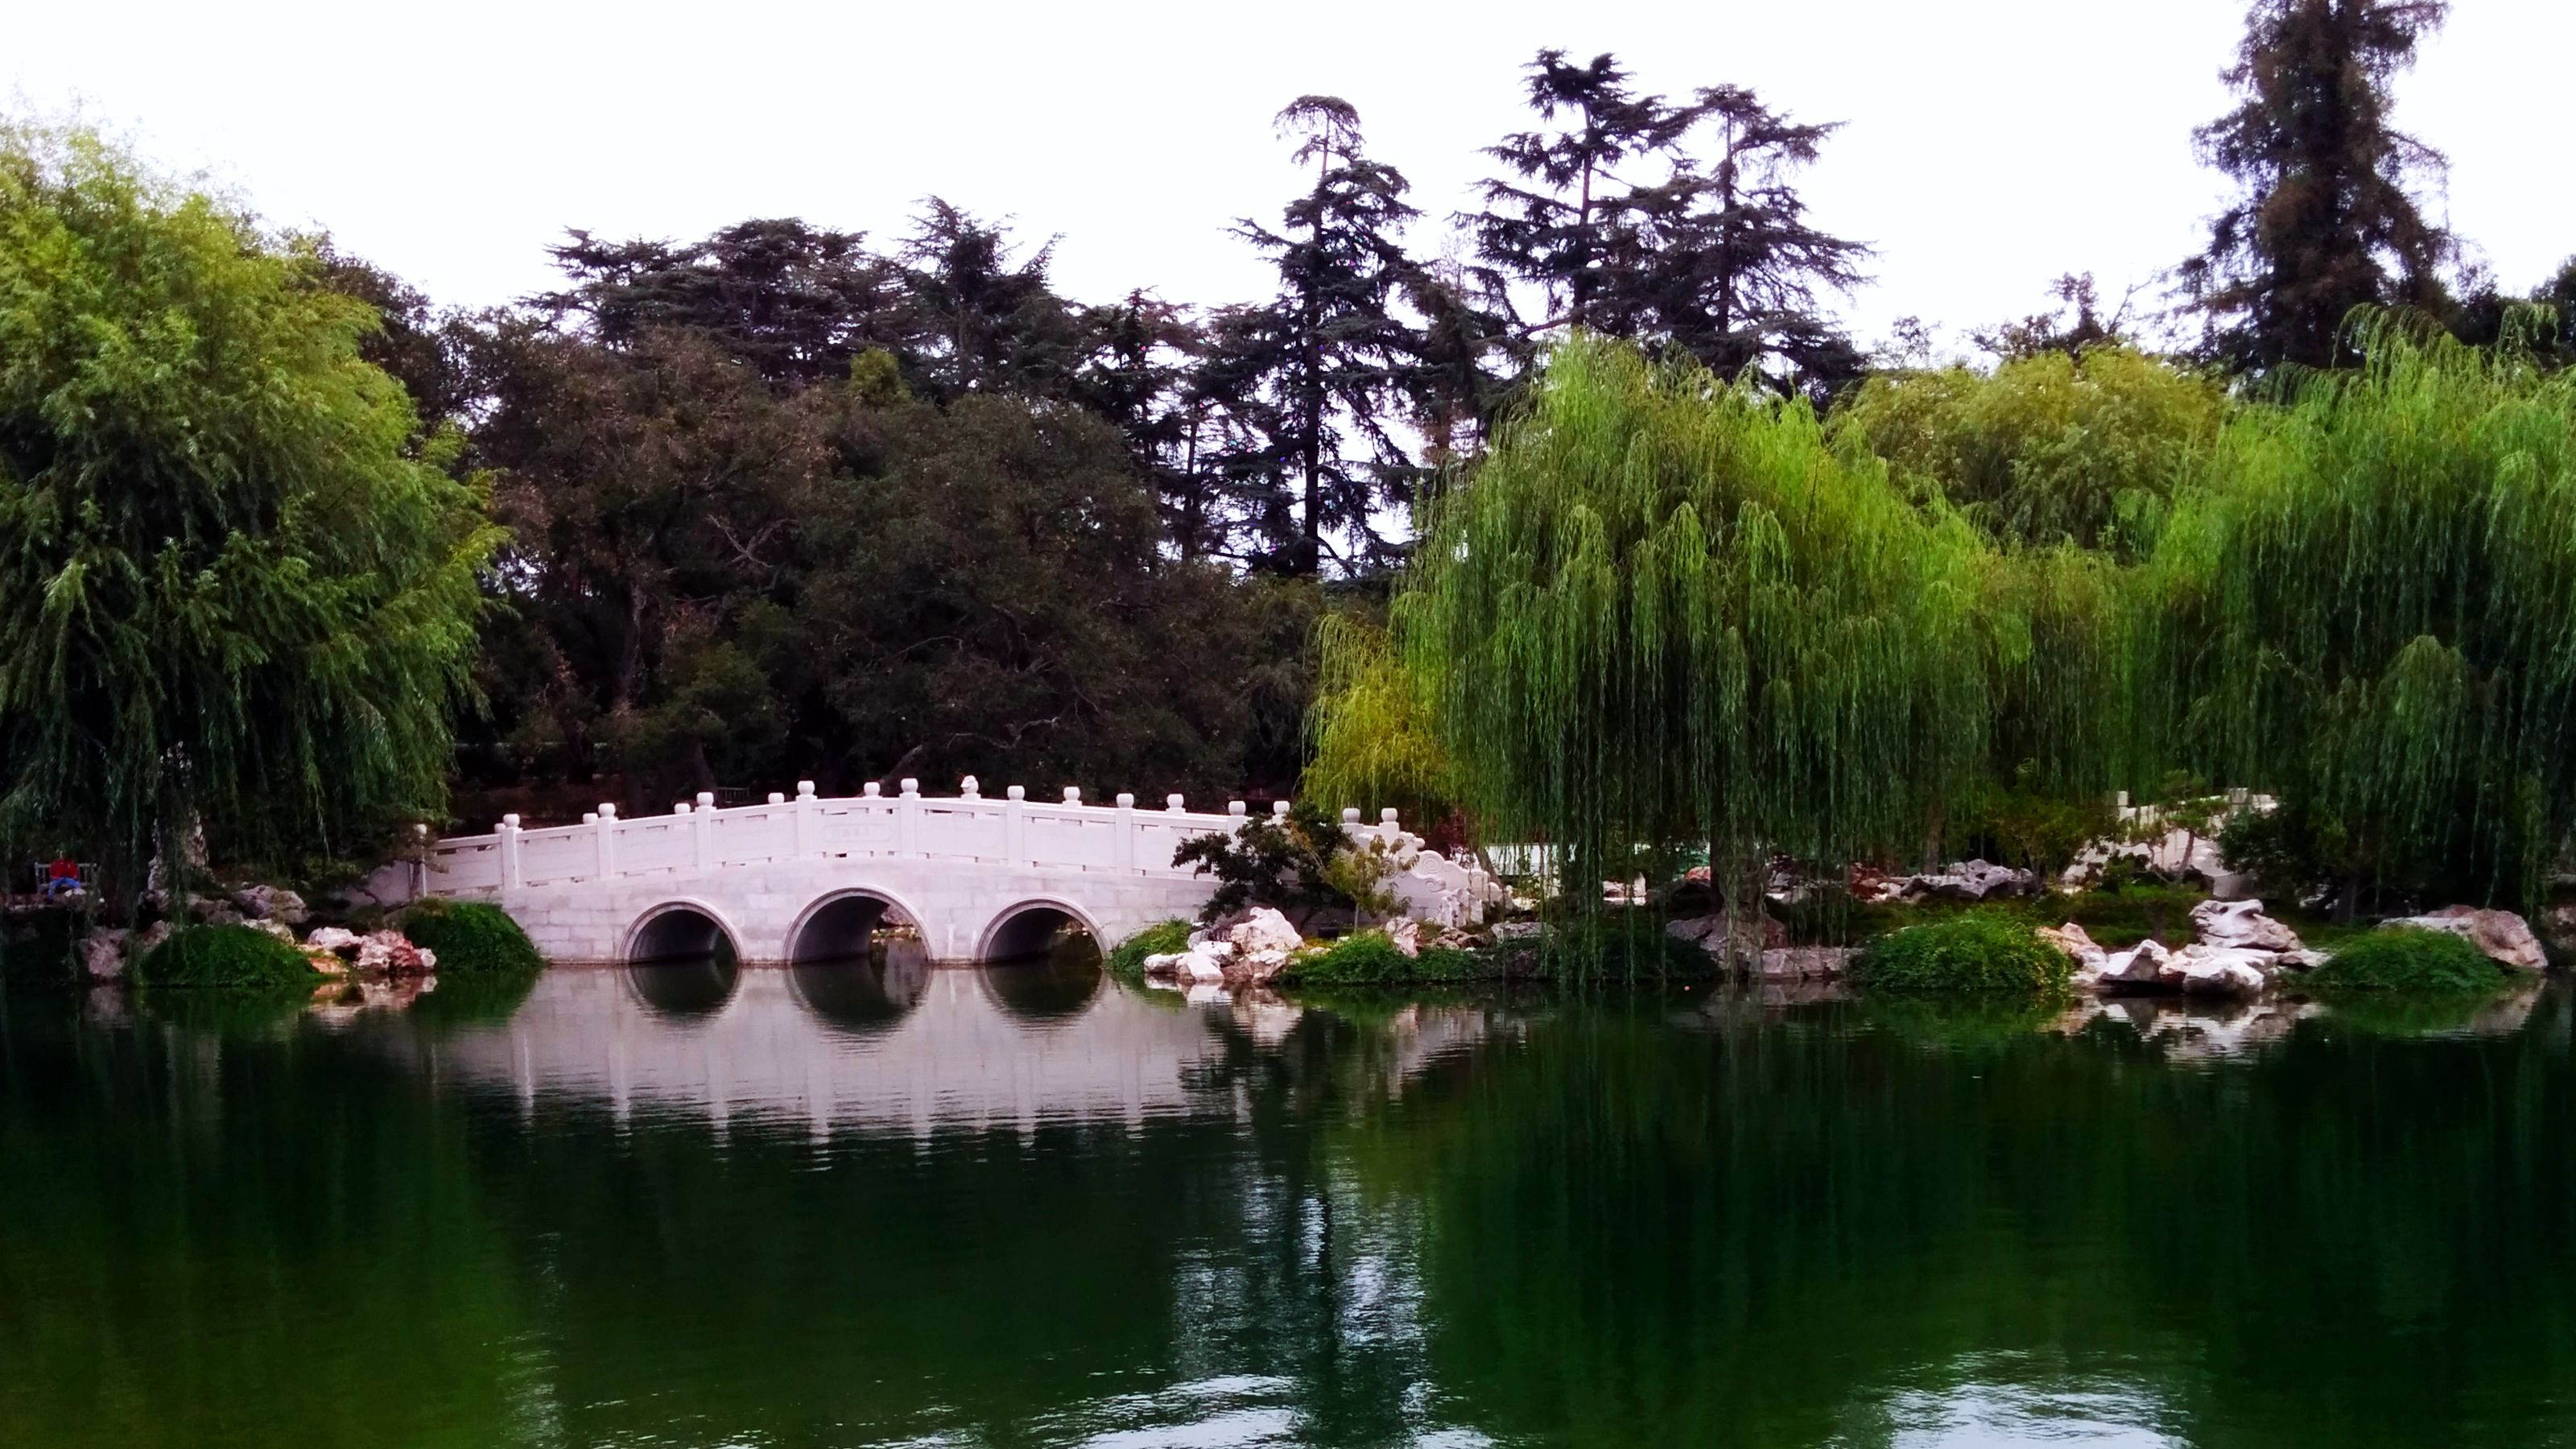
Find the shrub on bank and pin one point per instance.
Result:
(1127, 962)
(470, 938)
(239, 957)
(1976, 953)
(1369, 958)
(2409, 960)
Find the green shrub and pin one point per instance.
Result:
(1975, 953)
(470, 938)
(1369, 958)
(1127, 962)
(2409, 960)
(239, 957)
(1364, 958)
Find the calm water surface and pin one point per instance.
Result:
(845, 1205)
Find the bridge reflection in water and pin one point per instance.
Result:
(886, 1040)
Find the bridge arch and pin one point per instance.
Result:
(679, 930)
(683, 958)
(1022, 931)
(838, 924)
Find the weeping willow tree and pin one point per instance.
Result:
(1668, 613)
(1374, 743)
(227, 594)
(2368, 606)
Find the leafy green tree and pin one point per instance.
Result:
(990, 596)
(655, 493)
(2365, 612)
(2055, 447)
(2327, 219)
(230, 594)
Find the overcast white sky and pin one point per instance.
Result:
(1990, 144)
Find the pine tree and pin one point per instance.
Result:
(1623, 230)
(2328, 220)
(1326, 360)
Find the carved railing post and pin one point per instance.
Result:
(907, 818)
(508, 841)
(703, 826)
(808, 842)
(607, 841)
(1125, 855)
(1015, 826)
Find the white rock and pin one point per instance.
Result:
(1519, 930)
(142, 942)
(391, 953)
(102, 954)
(270, 926)
(2137, 966)
(1165, 965)
(1406, 933)
(2240, 925)
(2504, 937)
(332, 938)
(265, 902)
(2200, 969)
(1203, 964)
(1265, 930)
(2071, 940)
(1805, 963)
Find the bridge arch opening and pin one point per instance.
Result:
(1041, 962)
(683, 962)
(858, 962)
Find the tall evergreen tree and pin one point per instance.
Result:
(2327, 220)
(985, 321)
(1726, 265)
(793, 302)
(1622, 228)
(1327, 358)
(1556, 221)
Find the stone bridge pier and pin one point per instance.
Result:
(806, 878)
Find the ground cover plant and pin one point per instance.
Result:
(1982, 952)
(1126, 960)
(2406, 960)
(469, 938)
(239, 957)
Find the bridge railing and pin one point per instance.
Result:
(1119, 838)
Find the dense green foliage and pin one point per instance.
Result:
(1988, 953)
(1283, 861)
(2406, 959)
(1670, 612)
(1126, 960)
(230, 594)
(2081, 447)
(239, 957)
(2364, 608)
(469, 938)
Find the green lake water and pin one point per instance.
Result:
(1023, 1206)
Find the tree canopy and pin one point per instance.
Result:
(232, 594)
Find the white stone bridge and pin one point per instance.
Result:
(808, 878)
